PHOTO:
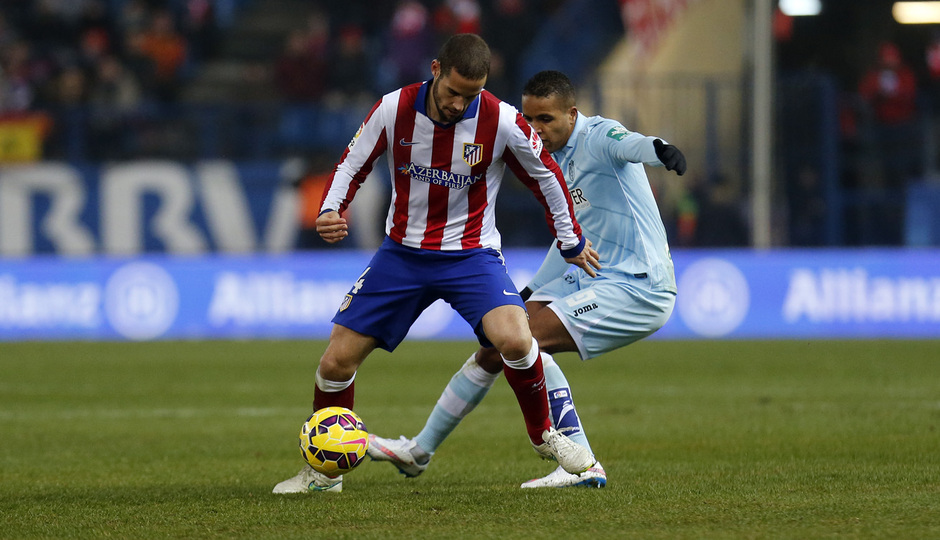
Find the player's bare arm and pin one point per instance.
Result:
(331, 227)
(587, 260)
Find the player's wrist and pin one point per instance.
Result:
(525, 293)
(574, 251)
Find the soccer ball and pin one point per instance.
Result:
(334, 441)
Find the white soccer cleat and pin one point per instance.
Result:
(559, 478)
(399, 453)
(308, 480)
(572, 457)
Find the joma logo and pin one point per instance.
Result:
(584, 309)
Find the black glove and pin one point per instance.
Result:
(671, 156)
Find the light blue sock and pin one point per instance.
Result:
(561, 402)
(464, 392)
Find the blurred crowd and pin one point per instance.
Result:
(887, 96)
(58, 53)
(358, 51)
(894, 101)
(108, 79)
(110, 61)
(121, 52)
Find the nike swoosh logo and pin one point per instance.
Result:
(507, 293)
(354, 441)
(403, 142)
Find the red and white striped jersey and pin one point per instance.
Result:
(445, 178)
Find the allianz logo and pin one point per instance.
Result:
(33, 304)
(714, 297)
(852, 295)
(140, 301)
(252, 298)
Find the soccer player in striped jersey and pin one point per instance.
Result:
(570, 309)
(447, 143)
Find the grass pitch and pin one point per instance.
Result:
(699, 439)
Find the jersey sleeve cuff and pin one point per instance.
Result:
(573, 252)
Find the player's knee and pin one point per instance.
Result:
(344, 354)
(516, 346)
(338, 363)
(516, 350)
(333, 368)
(508, 330)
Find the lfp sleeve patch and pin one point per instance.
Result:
(617, 132)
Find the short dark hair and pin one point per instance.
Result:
(548, 83)
(466, 53)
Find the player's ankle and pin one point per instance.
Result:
(422, 457)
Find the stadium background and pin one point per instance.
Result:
(160, 158)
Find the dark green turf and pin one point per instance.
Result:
(700, 440)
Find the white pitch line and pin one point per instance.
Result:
(182, 412)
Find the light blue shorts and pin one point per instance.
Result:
(602, 314)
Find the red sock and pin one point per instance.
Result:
(529, 386)
(343, 398)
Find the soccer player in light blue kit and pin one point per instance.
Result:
(631, 297)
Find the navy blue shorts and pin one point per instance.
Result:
(401, 281)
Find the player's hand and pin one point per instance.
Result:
(587, 260)
(331, 227)
(670, 156)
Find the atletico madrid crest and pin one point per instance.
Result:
(472, 153)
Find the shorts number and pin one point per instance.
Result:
(355, 288)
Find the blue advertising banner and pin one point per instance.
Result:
(876, 293)
(733, 294)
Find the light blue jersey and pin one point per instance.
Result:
(603, 164)
(634, 292)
